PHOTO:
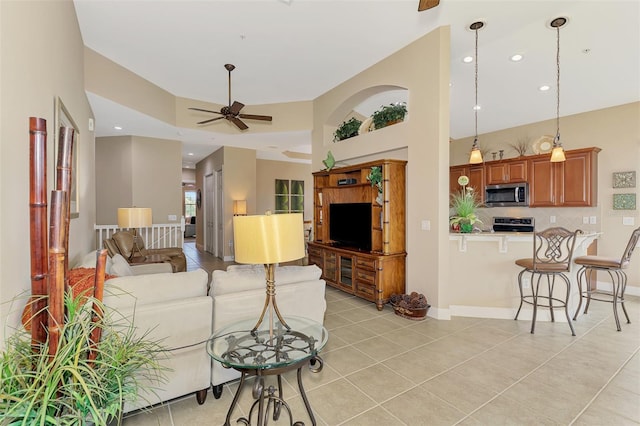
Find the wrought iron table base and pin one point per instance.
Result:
(274, 403)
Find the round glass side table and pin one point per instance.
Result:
(269, 351)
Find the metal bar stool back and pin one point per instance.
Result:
(615, 268)
(552, 255)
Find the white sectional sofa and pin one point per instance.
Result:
(173, 308)
(239, 293)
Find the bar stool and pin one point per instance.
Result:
(552, 254)
(615, 268)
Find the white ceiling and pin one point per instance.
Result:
(296, 50)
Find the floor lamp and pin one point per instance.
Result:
(134, 218)
(269, 239)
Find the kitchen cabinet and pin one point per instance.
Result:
(509, 171)
(572, 183)
(476, 175)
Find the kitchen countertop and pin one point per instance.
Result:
(503, 238)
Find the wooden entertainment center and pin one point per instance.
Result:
(373, 274)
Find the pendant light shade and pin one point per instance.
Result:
(476, 155)
(557, 154)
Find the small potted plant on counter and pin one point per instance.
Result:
(464, 203)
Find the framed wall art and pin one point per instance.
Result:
(62, 118)
(624, 201)
(624, 179)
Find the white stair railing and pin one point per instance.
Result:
(158, 235)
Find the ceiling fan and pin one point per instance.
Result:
(427, 4)
(231, 112)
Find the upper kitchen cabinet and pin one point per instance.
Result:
(508, 171)
(476, 175)
(572, 183)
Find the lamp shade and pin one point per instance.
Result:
(475, 157)
(239, 207)
(557, 155)
(134, 217)
(268, 239)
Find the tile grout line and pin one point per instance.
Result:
(603, 388)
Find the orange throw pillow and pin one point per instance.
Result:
(81, 281)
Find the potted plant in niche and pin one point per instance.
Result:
(389, 114)
(375, 177)
(69, 387)
(464, 203)
(347, 129)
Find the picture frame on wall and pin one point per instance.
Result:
(62, 118)
(624, 201)
(624, 179)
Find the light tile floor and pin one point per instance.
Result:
(380, 369)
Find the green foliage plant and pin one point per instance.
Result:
(67, 388)
(375, 177)
(347, 129)
(389, 114)
(465, 204)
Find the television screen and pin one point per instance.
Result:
(350, 225)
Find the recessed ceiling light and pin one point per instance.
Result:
(190, 153)
(477, 107)
(543, 88)
(517, 57)
(117, 127)
(467, 59)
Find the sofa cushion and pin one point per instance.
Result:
(154, 288)
(223, 282)
(120, 266)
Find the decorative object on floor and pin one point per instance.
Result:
(269, 239)
(624, 179)
(239, 207)
(557, 154)
(329, 162)
(134, 218)
(375, 177)
(521, 146)
(615, 268)
(413, 306)
(624, 201)
(464, 203)
(67, 171)
(389, 114)
(476, 155)
(231, 112)
(347, 129)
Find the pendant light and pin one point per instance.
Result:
(476, 155)
(557, 154)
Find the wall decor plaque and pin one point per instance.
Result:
(624, 179)
(624, 201)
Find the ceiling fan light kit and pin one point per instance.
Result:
(231, 112)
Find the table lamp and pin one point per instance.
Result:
(134, 218)
(269, 239)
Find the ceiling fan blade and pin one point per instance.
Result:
(209, 120)
(236, 107)
(205, 110)
(237, 122)
(427, 4)
(256, 117)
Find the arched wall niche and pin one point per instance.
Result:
(363, 104)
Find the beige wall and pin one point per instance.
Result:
(41, 57)
(267, 173)
(616, 131)
(423, 68)
(141, 172)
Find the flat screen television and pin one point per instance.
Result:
(350, 225)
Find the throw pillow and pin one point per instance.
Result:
(89, 261)
(120, 266)
(81, 281)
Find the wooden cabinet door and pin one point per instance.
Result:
(574, 184)
(541, 183)
(476, 181)
(454, 173)
(507, 172)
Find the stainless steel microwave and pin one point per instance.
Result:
(507, 195)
